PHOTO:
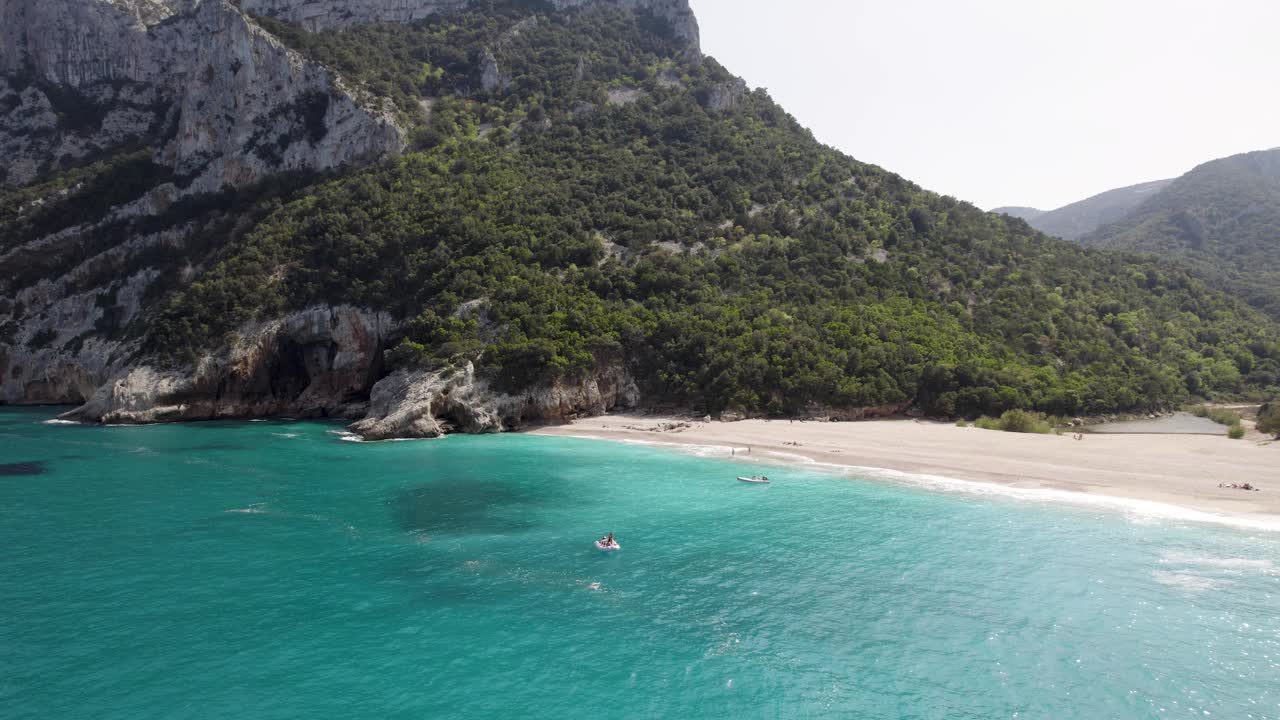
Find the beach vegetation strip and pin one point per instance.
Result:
(1269, 418)
(1022, 421)
(1223, 416)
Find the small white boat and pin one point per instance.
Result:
(760, 479)
(611, 547)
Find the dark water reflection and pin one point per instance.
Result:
(23, 468)
(470, 506)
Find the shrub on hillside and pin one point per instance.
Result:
(1018, 421)
(1269, 418)
(1222, 416)
(1021, 421)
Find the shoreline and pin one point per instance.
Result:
(1179, 473)
(1168, 475)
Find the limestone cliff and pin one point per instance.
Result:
(223, 102)
(327, 362)
(429, 404)
(315, 363)
(215, 101)
(326, 14)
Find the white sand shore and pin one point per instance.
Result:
(1180, 470)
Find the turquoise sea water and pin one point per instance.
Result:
(271, 570)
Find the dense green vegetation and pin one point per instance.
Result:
(1222, 219)
(84, 192)
(734, 261)
(612, 199)
(1021, 421)
(1222, 416)
(1269, 418)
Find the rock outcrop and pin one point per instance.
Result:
(327, 362)
(725, 96)
(429, 404)
(224, 101)
(677, 13)
(326, 14)
(320, 362)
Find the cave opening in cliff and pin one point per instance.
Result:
(288, 376)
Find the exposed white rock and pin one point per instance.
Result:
(317, 362)
(422, 404)
(324, 14)
(235, 88)
(324, 361)
(491, 77)
(227, 79)
(676, 12)
(725, 96)
(621, 96)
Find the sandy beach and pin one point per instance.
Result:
(1179, 470)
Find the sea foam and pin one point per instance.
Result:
(345, 435)
(1232, 565)
(1188, 581)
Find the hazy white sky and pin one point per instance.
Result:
(1015, 102)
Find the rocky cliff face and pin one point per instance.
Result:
(316, 363)
(430, 404)
(219, 102)
(677, 13)
(326, 14)
(222, 100)
(327, 362)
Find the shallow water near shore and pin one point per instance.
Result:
(271, 570)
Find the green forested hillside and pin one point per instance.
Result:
(1222, 219)
(611, 196)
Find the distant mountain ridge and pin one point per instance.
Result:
(1222, 218)
(1022, 213)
